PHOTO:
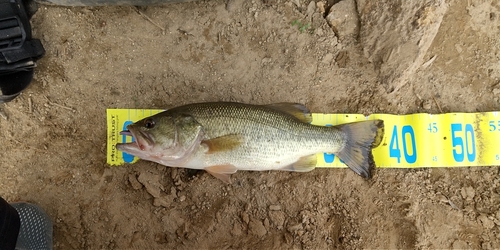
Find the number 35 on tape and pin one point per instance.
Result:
(425, 140)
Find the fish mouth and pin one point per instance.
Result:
(141, 141)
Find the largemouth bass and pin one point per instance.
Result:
(224, 137)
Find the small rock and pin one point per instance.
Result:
(487, 223)
(266, 60)
(344, 20)
(191, 235)
(266, 223)
(236, 231)
(468, 193)
(311, 8)
(257, 228)
(486, 245)
(297, 3)
(327, 59)
(245, 217)
(277, 218)
(162, 202)
(460, 244)
(174, 174)
(132, 178)
(288, 238)
(233, 5)
(496, 92)
(342, 59)
(295, 228)
(151, 182)
(275, 207)
(321, 7)
(319, 31)
(427, 105)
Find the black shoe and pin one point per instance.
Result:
(18, 51)
(36, 227)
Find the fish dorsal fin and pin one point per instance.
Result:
(222, 172)
(297, 110)
(304, 164)
(223, 143)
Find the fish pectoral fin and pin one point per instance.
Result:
(222, 172)
(304, 164)
(223, 143)
(297, 110)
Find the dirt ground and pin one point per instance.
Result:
(54, 139)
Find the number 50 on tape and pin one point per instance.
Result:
(425, 140)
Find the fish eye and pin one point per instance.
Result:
(149, 123)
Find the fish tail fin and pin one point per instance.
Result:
(361, 138)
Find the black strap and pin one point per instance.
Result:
(32, 49)
(18, 51)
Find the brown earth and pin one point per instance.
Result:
(375, 59)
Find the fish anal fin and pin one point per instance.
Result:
(222, 172)
(297, 110)
(223, 143)
(304, 164)
(361, 138)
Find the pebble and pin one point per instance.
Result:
(296, 2)
(427, 105)
(245, 217)
(266, 223)
(311, 8)
(236, 231)
(487, 223)
(257, 228)
(275, 207)
(468, 193)
(295, 228)
(134, 182)
(460, 244)
(151, 182)
(277, 218)
(327, 59)
(343, 18)
(233, 5)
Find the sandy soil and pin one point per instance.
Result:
(53, 147)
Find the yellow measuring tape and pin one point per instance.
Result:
(410, 141)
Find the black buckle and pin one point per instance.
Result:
(12, 34)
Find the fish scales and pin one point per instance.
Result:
(271, 138)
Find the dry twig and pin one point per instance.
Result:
(149, 19)
(3, 115)
(439, 107)
(30, 105)
(428, 63)
(59, 105)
